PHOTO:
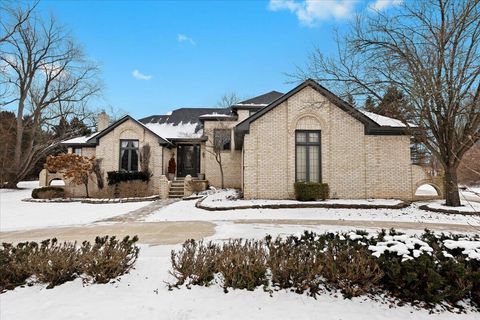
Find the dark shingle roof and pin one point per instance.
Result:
(261, 100)
(185, 115)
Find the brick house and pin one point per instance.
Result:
(275, 139)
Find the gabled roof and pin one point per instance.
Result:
(371, 126)
(93, 139)
(258, 101)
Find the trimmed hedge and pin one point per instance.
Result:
(311, 191)
(48, 193)
(115, 177)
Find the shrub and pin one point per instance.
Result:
(242, 264)
(48, 193)
(14, 267)
(114, 177)
(310, 191)
(194, 264)
(54, 263)
(108, 258)
(421, 271)
(296, 264)
(352, 270)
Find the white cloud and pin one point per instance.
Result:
(183, 38)
(140, 76)
(379, 5)
(310, 12)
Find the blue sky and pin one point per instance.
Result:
(159, 55)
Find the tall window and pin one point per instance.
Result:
(307, 155)
(222, 139)
(129, 155)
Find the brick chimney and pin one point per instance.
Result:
(102, 121)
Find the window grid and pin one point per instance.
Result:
(128, 155)
(308, 155)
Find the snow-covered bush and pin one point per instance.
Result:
(427, 270)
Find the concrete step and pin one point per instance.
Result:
(175, 196)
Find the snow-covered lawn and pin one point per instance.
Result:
(229, 199)
(16, 214)
(186, 211)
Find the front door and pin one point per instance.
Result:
(188, 159)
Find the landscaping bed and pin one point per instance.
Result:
(229, 199)
(468, 208)
(431, 270)
(96, 200)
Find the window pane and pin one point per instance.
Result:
(123, 160)
(135, 144)
(314, 170)
(313, 137)
(301, 159)
(222, 139)
(77, 151)
(301, 137)
(123, 144)
(134, 160)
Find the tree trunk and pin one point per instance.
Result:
(221, 175)
(452, 195)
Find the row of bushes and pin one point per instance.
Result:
(54, 263)
(313, 263)
(311, 191)
(115, 177)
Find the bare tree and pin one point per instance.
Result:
(11, 19)
(49, 79)
(429, 50)
(228, 100)
(219, 141)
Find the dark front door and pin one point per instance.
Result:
(188, 159)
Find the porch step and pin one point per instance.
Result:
(177, 188)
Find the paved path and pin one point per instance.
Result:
(153, 233)
(368, 224)
(141, 213)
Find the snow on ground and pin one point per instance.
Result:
(16, 214)
(229, 198)
(468, 206)
(143, 295)
(186, 211)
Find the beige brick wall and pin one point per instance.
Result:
(231, 159)
(353, 164)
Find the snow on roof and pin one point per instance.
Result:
(214, 114)
(382, 120)
(175, 131)
(81, 139)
